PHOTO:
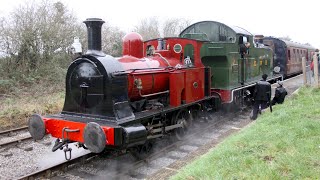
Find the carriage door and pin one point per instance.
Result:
(242, 61)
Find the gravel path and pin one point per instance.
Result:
(29, 156)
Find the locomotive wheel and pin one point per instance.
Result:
(197, 114)
(198, 117)
(184, 118)
(142, 151)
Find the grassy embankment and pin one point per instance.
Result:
(283, 144)
(16, 110)
(41, 91)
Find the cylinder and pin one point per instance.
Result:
(135, 135)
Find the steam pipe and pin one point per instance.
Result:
(163, 58)
(153, 94)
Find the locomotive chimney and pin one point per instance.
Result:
(94, 35)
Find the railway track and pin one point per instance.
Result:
(13, 130)
(125, 166)
(14, 136)
(74, 164)
(56, 168)
(189, 141)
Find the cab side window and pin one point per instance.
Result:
(243, 39)
(189, 55)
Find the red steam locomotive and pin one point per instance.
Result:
(123, 103)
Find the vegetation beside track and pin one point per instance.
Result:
(282, 144)
(15, 111)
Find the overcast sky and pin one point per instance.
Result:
(300, 20)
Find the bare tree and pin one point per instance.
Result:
(34, 33)
(148, 28)
(172, 27)
(112, 40)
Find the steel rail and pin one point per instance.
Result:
(52, 170)
(15, 141)
(171, 147)
(13, 130)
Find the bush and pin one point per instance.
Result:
(7, 85)
(50, 74)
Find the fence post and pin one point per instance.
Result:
(316, 70)
(304, 70)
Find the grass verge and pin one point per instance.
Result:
(282, 144)
(15, 111)
(25, 91)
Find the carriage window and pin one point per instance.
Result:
(240, 40)
(289, 55)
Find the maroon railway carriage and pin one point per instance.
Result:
(288, 55)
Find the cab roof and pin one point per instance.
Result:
(213, 31)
